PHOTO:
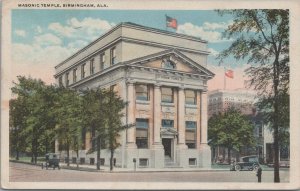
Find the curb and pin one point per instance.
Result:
(137, 171)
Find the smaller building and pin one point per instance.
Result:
(220, 100)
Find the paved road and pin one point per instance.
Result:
(29, 173)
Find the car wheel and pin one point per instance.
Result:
(255, 167)
(237, 167)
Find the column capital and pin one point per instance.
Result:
(130, 82)
(157, 85)
(181, 87)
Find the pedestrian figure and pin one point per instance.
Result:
(258, 174)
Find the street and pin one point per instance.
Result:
(29, 173)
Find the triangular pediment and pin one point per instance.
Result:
(171, 60)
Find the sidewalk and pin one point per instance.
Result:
(92, 168)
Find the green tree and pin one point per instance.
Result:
(33, 100)
(94, 118)
(17, 120)
(114, 125)
(262, 37)
(69, 121)
(230, 129)
(265, 106)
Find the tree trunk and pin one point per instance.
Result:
(237, 158)
(224, 152)
(17, 154)
(77, 156)
(98, 153)
(111, 159)
(276, 125)
(229, 155)
(68, 155)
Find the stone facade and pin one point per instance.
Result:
(163, 77)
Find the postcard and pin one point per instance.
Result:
(150, 94)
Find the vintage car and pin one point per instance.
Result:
(51, 160)
(246, 163)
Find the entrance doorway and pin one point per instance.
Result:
(167, 146)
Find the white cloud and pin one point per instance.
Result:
(87, 28)
(38, 30)
(65, 31)
(213, 52)
(214, 26)
(198, 31)
(21, 33)
(76, 45)
(47, 39)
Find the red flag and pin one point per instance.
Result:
(229, 73)
(171, 22)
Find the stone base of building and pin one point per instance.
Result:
(205, 156)
(147, 158)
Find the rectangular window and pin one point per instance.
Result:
(143, 162)
(82, 160)
(142, 92)
(82, 71)
(60, 81)
(190, 97)
(102, 161)
(167, 95)
(67, 79)
(75, 75)
(142, 126)
(113, 56)
(165, 123)
(92, 67)
(102, 61)
(92, 161)
(192, 162)
(190, 134)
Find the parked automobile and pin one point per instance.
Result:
(246, 163)
(51, 160)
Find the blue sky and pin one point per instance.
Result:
(38, 34)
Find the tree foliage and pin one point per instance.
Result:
(41, 114)
(262, 38)
(29, 114)
(230, 129)
(69, 120)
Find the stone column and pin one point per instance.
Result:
(157, 153)
(203, 114)
(157, 115)
(131, 114)
(198, 120)
(181, 118)
(205, 152)
(182, 158)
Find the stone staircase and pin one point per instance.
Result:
(169, 163)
